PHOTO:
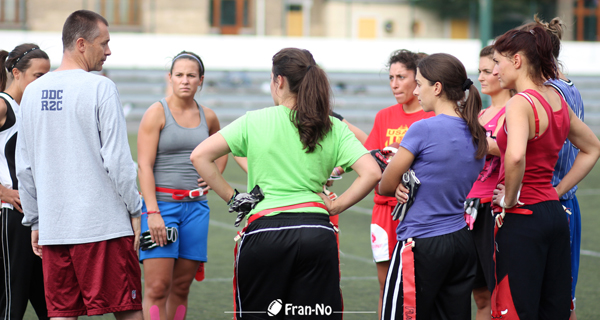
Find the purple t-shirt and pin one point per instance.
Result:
(446, 166)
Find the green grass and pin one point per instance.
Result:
(211, 298)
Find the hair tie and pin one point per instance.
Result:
(467, 84)
(308, 68)
(189, 55)
(21, 57)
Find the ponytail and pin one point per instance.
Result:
(554, 28)
(535, 44)
(470, 113)
(543, 44)
(309, 82)
(3, 74)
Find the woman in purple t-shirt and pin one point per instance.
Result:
(446, 153)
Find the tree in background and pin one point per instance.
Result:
(506, 14)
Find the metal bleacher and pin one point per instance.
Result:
(357, 96)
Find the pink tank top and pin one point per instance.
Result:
(486, 182)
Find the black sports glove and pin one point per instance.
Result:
(243, 203)
(146, 240)
(379, 158)
(410, 181)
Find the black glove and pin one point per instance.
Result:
(410, 181)
(379, 158)
(146, 240)
(243, 203)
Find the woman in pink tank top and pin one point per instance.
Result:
(532, 234)
(478, 214)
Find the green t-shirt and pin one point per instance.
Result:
(278, 163)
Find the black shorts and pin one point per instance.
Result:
(288, 266)
(444, 274)
(533, 264)
(483, 234)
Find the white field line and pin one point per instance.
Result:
(587, 192)
(590, 253)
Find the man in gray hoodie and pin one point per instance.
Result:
(77, 181)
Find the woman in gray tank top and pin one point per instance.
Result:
(174, 194)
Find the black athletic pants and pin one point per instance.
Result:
(444, 274)
(533, 264)
(483, 234)
(288, 268)
(22, 278)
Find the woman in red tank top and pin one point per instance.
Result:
(532, 236)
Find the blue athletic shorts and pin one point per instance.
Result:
(191, 220)
(575, 233)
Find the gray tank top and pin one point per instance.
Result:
(172, 167)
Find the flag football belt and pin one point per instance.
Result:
(498, 223)
(178, 194)
(485, 200)
(410, 181)
(146, 242)
(472, 206)
(265, 212)
(408, 281)
(261, 214)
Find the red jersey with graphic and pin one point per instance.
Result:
(390, 126)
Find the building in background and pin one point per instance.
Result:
(375, 19)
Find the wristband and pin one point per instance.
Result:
(338, 171)
(235, 193)
(502, 202)
(503, 205)
(152, 212)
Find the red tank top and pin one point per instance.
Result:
(542, 152)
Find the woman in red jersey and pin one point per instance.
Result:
(390, 126)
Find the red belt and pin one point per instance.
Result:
(178, 194)
(294, 206)
(499, 221)
(485, 200)
(265, 212)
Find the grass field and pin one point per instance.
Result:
(212, 298)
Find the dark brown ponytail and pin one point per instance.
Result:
(554, 28)
(536, 45)
(310, 85)
(450, 72)
(3, 74)
(470, 112)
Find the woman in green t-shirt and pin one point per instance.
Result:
(287, 261)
